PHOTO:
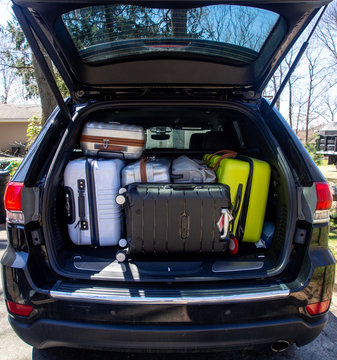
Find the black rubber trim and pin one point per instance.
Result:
(46, 333)
(236, 207)
(89, 169)
(245, 203)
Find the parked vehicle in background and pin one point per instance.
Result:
(166, 265)
(326, 143)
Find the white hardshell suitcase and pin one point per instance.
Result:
(91, 186)
(113, 140)
(147, 170)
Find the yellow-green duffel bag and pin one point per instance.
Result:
(254, 175)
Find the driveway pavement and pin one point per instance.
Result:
(12, 348)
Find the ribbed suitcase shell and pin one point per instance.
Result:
(233, 172)
(113, 140)
(157, 170)
(175, 218)
(106, 212)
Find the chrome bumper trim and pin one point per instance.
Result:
(140, 297)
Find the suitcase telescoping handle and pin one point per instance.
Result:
(226, 154)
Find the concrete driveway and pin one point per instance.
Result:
(12, 348)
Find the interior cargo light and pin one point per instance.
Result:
(19, 309)
(318, 308)
(324, 196)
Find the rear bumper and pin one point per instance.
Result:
(46, 333)
(165, 318)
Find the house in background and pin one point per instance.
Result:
(14, 120)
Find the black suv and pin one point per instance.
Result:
(177, 68)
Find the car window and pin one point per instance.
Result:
(164, 137)
(107, 32)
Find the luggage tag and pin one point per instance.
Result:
(223, 224)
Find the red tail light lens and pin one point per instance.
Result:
(318, 308)
(324, 196)
(12, 197)
(19, 309)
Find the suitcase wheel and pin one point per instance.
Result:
(233, 246)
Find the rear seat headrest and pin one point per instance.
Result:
(218, 140)
(196, 141)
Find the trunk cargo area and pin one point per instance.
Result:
(168, 236)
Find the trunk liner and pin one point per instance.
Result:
(140, 270)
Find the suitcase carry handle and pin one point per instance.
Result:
(181, 186)
(81, 204)
(226, 154)
(111, 154)
(176, 176)
(69, 205)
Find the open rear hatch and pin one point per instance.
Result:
(104, 49)
(103, 45)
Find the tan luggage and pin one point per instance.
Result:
(113, 140)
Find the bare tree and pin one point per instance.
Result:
(327, 31)
(25, 65)
(8, 74)
(316, 88)
(275, 83)
(330, 103)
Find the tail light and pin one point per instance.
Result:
(19, 309)
(323, 203)
(318, 308)
(12, 201)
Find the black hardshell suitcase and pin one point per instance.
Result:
(166, 219)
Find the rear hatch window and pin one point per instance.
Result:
(105, 32)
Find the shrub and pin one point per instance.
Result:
(33, 129)
(14, 165)
(318, 158)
